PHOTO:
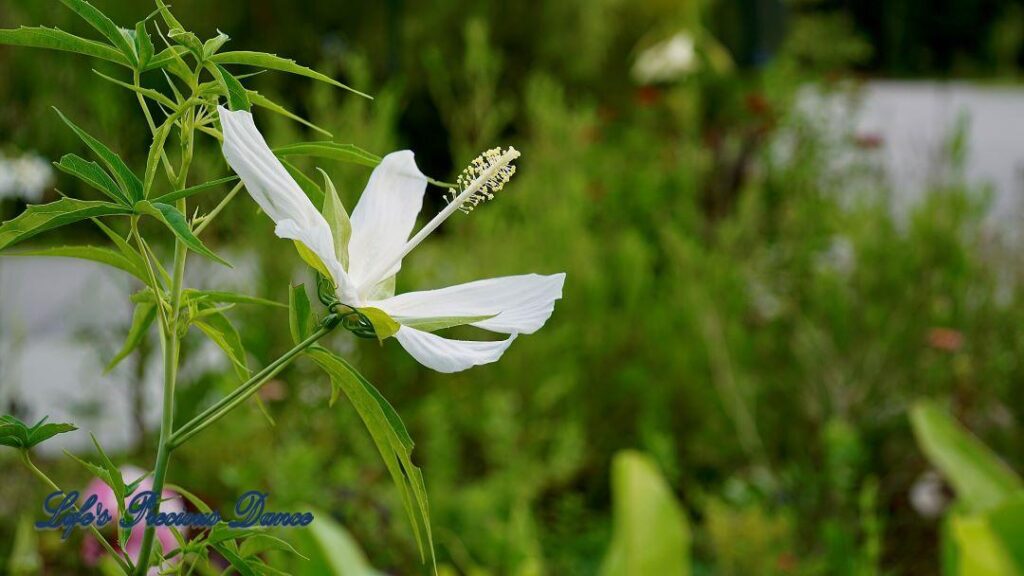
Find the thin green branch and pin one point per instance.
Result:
(243, 392)
(205, 220)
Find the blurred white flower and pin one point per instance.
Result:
(667, 60)
(25, 177)
(928, 496)
(839, 258)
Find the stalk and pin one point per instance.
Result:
(171, 344)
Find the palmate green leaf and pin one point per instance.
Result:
(93, 175)
(177, 223)
(337, 219)
(223, 333)
(39, 218)
(275, 62)
(57, 39)
(331, 150)
(98, 254)
(651, 534)
(142, 319)
(238, 98)
(981, 480)
(391, 438)
(126, 179)
(193, 190)
(105, 26)
(17, 434)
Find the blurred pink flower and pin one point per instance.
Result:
(171, 502)
(945, 339)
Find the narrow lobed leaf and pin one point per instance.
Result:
(105, 26)
(39, 218)
(193, 190)
(126, 179)
(178, 224)
(98, 254)
(342, 152)
(93, 175)
(238, 98)
(57, 39)
(142, 319)
(275, 62)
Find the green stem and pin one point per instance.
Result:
(171, 344)
(243, 392)
(122, 562)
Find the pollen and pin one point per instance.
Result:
(483, 178)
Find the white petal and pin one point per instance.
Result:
(277, 193)
(385, 216)
(522, 303)
(445, 355)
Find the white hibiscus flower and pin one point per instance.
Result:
(363, 266)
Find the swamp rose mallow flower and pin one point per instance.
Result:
(363, 266)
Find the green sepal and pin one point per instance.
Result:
(441, 322)
(338, 220)
(384, 325)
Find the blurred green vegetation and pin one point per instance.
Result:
(750, 316)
